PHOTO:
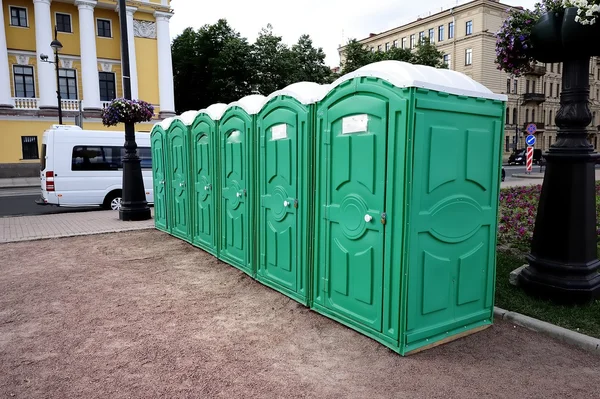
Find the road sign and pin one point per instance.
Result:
(531, 128)
(529, 159)
(530, 140)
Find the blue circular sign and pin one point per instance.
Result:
(531, 128)
(530, 139)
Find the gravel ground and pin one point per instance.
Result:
(86, 318)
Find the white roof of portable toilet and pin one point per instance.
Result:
(404, 74)
(215, 111)
(305, 92)
(188, 117)
(251, 104)
(166, 123)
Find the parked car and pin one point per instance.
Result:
(83, 167)
(519, 157)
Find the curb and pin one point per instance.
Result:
(526, 176)
(71, 235)
(582, 341)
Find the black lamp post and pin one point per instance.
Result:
(563, 263)
(56, 46)
(133, 204)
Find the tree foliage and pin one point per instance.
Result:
(216, 64)
(356, 55)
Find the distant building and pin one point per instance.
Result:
(90, 68)
(465, 34)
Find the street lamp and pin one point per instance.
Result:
(56, 46)
(133, 205)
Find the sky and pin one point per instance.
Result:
(330, 23)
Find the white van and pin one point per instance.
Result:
(84, 167)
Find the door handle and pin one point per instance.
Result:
(238, 194)
(162, 182)
(182, 184)
(286, 203)
(208, 187)
(368, 218)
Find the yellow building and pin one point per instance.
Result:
(465, 33)
(89, 68)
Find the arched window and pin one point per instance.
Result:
(514, 116)
(507, 115)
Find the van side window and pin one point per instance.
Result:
(103, 158)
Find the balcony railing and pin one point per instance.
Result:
(534, 98)
(32, 104)
(539, 125)
(537, 70)
(105, 104)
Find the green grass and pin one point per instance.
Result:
(583, 319)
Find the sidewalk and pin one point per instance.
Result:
(20, 182)
(535, 179)
(24, 228)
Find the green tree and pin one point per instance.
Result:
(273, 62)
(427, 53)
(356, 55)
(309, 62)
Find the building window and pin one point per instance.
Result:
(24, 86)
(107, 86)
(469, 27)
(507, 86)
(403, 42)
(514, 116)
(412, 41)
(451, 30)
(18, 17)
(550, 120)
(395, 44)
(549, 141)
(551, 89)
(67, 81)
(63, 23)
(387, 46)
(597, 94)
(527, 116)
(558, 90)
(515, 86)
(104, 28)
(469, 56)
(372, 49)
(558, 68)
(507, 116)
(533, 116)
(506, 144)
(447, 60)
(544, 116)
(421, 37)
(29, 145)
(552, 67)
(431, 35)
(379, 47)
(527, 86)
(440, 33)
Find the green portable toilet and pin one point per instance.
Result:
(203, 148)
(285, 158)
(237, 183)
(408, 173)
(178, 176)
(159, 180)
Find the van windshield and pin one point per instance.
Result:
(43, 158)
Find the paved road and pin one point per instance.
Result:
(21, 201)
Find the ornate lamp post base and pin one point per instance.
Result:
(563, 264)
(133, 204)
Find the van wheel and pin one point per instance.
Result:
(113, 201)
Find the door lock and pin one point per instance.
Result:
(383, 218)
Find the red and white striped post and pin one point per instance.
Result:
(529, 159)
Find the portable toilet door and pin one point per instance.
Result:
(405, 219)
(159, 173)
(179, 173)
(285, 131)
(237, 182)
(203, 146)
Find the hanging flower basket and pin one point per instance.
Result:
(121, 110)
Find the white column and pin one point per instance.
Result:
(5, 96)
(89, 59)
(132, 55)
(165, 65)
(46, 74)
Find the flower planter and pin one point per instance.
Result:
(546, 38)
(582, 40)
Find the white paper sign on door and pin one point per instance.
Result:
(355, 124)
(279, 132)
